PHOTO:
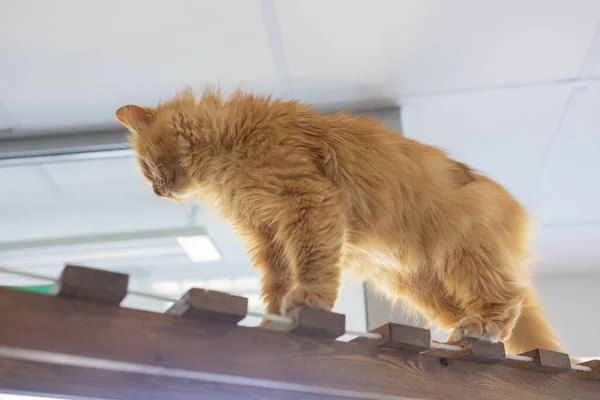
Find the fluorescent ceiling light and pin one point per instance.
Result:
(126, 248)
(199, 248)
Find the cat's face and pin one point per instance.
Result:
(158, 150)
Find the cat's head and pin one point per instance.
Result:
(161, 148)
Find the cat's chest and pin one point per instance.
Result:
(366, 260)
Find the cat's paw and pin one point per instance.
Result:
(475, 327)
(299, 296)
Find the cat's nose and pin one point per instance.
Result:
(157, 192)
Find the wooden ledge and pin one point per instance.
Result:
(223, 354)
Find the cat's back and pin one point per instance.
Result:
(357, 143)
(360, 155)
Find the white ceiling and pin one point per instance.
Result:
(71, 63)
(419, 46)
(511, 87)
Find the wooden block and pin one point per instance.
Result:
(473, 350)
(547, 361)
(208, 305)
(89, 284)
(313, 322)
(593, 374)
(400, 337)
(319, 322)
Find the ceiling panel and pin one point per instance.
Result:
(29, 205)
(80, 198)
(7, 120)
(572, 191)
(105, 196)
(70, 62)
(24, 189)
(106, 185)
(505, 133)
(431, 45)
(110, 196)
(591, 67)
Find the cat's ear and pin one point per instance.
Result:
(135, 118)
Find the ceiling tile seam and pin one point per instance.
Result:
(54, 187)
(8, 115)
(592, 58)
(553, 152)
(273, 30)
(569, 82)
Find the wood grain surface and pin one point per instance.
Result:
(32, 378)
(44, 323)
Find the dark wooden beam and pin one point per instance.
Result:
(62, 381)
(246, 360)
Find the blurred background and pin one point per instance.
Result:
(510, 87)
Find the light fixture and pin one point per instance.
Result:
(199, 248)
(127, 248)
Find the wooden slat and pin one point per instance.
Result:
(473, 350)
(208, 305)
(547, 361)
(593, 374)
(41, 323)
(400, 337)
(89, 284)
(313, 322)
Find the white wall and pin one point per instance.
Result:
(571, 304)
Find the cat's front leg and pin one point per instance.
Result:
(268, 256)
(314, 237)
(488, 296)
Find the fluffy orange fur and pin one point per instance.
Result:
(315, 194)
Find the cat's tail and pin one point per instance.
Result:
(532, 331)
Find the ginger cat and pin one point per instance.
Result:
(316, 194)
